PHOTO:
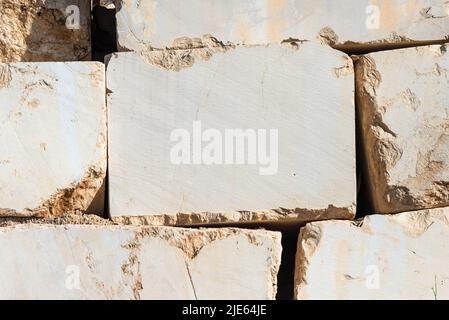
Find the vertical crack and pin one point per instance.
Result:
(191, 281)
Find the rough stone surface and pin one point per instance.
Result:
(35, 30)
(356, 23)
(303, 90)
(53, 138)
(117, 262)
(401, 256)
(404, 124)
(67, 218)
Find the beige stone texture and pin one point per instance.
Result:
(402, 256)
(403, 107)
(44, 30)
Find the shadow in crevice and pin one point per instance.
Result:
(104, 32)
(361, 48)
(287, 268)
(364, 202)
(364, 184)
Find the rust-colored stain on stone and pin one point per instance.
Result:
(276, 22)
(391, 13)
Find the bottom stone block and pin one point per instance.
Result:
(403, 256)
(123, 262)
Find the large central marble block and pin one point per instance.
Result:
(223, 134)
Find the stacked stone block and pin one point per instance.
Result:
(118, 262)
(403, 106)
(53, 150)
(400, 256)
(257, 120)
(351, 25)
(147, 133)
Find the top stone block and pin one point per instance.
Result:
(349, 24)
(44, 30)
